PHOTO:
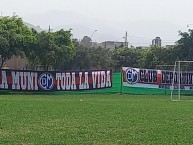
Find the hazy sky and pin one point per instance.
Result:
(114, 13)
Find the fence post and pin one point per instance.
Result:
(121, 87)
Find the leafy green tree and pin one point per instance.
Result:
(14, 37)
(64, 48)
(90, 58)
(154, 56)
(184, 47)
(51, 48)
(127, 57)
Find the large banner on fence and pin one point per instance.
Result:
(151, 78)
(55, 81)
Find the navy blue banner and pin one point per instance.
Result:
(54, 81)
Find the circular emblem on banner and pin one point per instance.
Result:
(46, 81)
(1, 61)
(132, 76)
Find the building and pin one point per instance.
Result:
(156, 42)
(170, 46)
(111, 45)
(95, 44)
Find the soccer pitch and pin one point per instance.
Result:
(109, 119)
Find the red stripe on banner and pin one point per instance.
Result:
(9, 80)
(90, 80)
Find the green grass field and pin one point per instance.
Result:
(95, 120)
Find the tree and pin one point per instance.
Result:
(64, 48)
(127, 57)
(90, 58)
(86, 41)
(51, 48)
(157, 56)
(184, 47)
(14, 37)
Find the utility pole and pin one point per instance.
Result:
(91, 37)
(126, 42)
(92, 34)
(49, 29)
(14, 14)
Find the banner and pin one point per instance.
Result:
(55, 81)
(151, 78)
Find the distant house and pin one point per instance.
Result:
(16, 62)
